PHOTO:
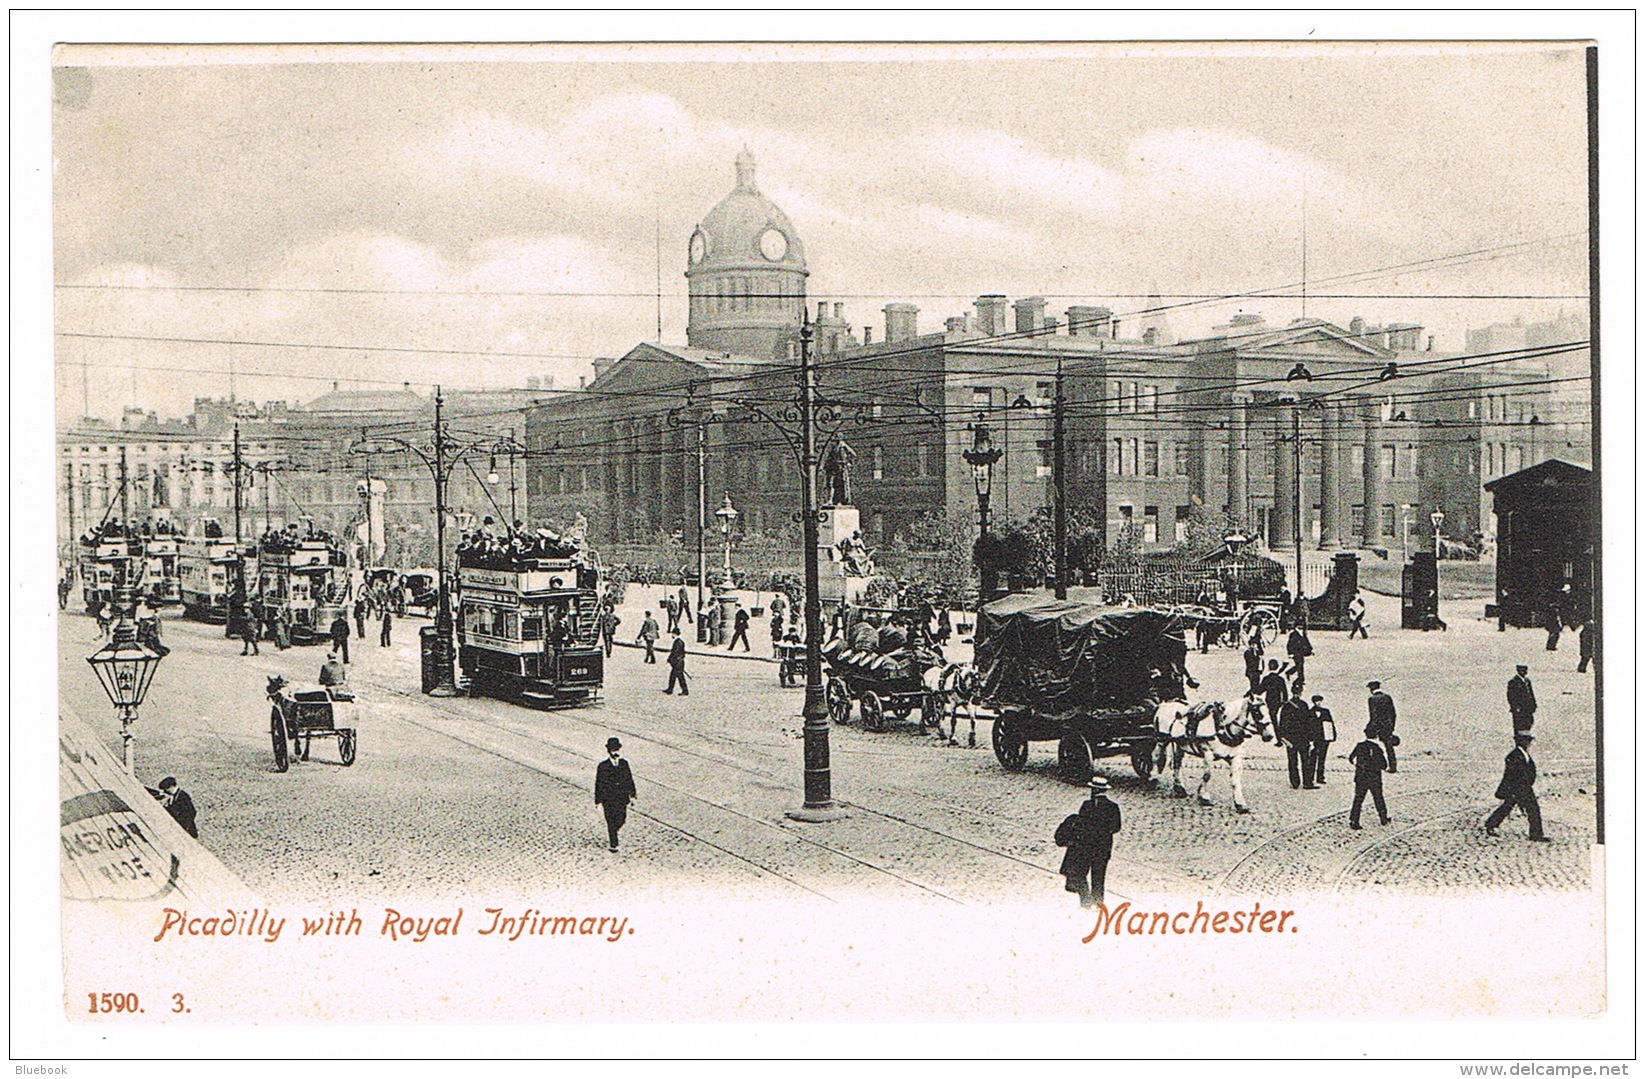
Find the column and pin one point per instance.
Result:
(1330, 479)
(631, 450)
(1283, 522)
(1239, 459)
(1373, 475)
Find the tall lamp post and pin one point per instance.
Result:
(982, 456)
(727, 514)
(440, 455)
(125, 667)
(1436, 518)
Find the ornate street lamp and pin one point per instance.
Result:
(1234, 541)
(727, 513)
(982, 456)
(125, 667)
(1437, 518)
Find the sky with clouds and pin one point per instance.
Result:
(505, 218)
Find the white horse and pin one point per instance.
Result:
(950, 687)
(1207, 731)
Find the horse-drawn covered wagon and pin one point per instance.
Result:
(1083, 674)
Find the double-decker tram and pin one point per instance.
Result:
(208, 569)
(528, 620)
(302, 579)
(103, 553)
(161, 578)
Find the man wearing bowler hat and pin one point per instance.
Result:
(1517, 789)
(1089, 837)
(614, 788)
(1521, 699)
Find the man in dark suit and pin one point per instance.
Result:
(1323, 729)
(1253, 663)
(1293, 729)
(1521, 699)
(1299, 648)
(179, 805)
(1274, 690)
(1518, 789)
(1089, 837)
(339, 635)
(386, 630)
(614, 788)
(1369, 763)
(676, 666)
(1381, 727)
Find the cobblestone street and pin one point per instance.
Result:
(461, 793)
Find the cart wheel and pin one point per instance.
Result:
(838, 700)
(1142, 760)
(873, 711)
(1074, 758)
(1010, 747)
(345, 746)
(1262, 622)
(277, 735)
(901, 712)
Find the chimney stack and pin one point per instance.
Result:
(839, 311)
(957, 324)
(867, 335)
(1087, 321)
(991, 315)
(532, 382)
(1030, 315)
(901, 321)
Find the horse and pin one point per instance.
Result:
(1185, 729)
(950, 686)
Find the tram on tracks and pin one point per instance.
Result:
(209, 568)
(529, 620)
(302, 579)
(101, 557)
(150, 559)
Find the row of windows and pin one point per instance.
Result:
(1133, 397)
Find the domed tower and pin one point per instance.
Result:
(747, 274)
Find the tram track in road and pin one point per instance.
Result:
(1384, 838)
(629, 727)
(776, 778)
(540, 741)
(1278, 857)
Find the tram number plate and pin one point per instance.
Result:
(578, 670)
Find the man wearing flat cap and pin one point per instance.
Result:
(1517, 789)
(1089, 837)
(614, 788)
(1521, 699)
(1381, 709)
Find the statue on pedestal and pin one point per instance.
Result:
(837, 471)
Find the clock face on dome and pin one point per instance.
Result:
(699, 247)
(773, 245)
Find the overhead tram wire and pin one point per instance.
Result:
(1271, 292)
(738, 391)
(1427, 368)
(1277, 292)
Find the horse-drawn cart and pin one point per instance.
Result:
(881, 684)
(299, 715)
(1079, 673)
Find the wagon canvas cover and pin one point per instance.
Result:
(1057, 657)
